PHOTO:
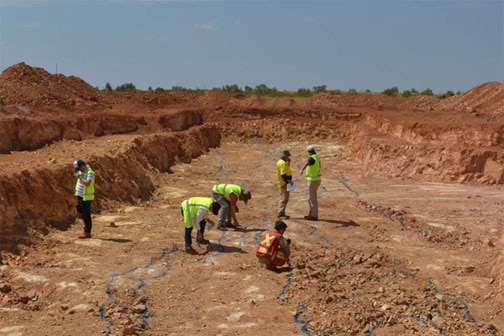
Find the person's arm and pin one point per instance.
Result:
(285, 171)
(88, 179)
(199, 217)
(285, 245)
(304, 167)
(309, 162)
(233, 200)
(287, 178)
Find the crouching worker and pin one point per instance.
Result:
(195, 211)
(273, 249)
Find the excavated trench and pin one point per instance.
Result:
(127, 150)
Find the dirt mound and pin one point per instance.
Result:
(32, 86)
(486, 98)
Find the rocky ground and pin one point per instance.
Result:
(409, 241)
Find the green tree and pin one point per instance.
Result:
(248, 90)
(319, 89)
(108, 87)
(303, 92)
(262, 89)
(127, 87)
(393, 91)
(232, 88)
(427, 92)
(407, 93)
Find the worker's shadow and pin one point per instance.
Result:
(212, 247)
(342, 223)
(117, 240)
(247, 229)
(282, 269)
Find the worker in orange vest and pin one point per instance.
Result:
(273, 249)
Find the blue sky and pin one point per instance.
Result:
(343, 44)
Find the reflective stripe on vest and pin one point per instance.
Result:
(227, 189)
(313, 172)
(268, 245)
(191, 207)
(89, 191)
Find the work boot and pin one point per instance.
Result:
(190, 250)
(283, 216)
(311, 218)
(85, 235)
(202, 240)
(221, 228)
(230, 225)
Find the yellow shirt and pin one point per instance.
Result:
(283, 168)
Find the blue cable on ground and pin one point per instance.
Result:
(371, 207)
(298, 320)
(141, 284)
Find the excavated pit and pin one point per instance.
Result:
(410, 240)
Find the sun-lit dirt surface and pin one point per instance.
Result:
(409, 241)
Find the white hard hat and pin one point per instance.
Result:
(310, 148)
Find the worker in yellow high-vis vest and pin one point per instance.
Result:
(313, 172)
(227, 195)
(195, 212)
(85, 193)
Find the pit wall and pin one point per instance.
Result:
(28, 133)
(35, 200)
(405, 149)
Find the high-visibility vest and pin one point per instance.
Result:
(89, 191)
(314, 172)
(191, 206)
(227, 189)
(268, 244)
(268, 247)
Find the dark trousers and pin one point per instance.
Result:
(84, 209)
(188, 231)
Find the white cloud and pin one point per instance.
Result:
(206, 26)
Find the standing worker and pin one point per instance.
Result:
(284, 177)
(85, 193)
(227, 195)
(273, 249)
(313, 168)
(195, 211)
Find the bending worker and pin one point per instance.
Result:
(227, 195)
(195, 211)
